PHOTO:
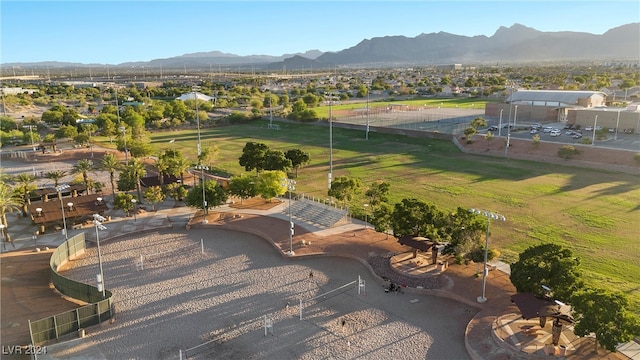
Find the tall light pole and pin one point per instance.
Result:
(593, 137)
(330, 178)
(367, 132)
(515, 116)
(97, 221)
(204, 199)
(291, 185)
(615, 137)
(500, 124)
(489, 215)
(31, 133)
(64, 221)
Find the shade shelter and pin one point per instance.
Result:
(420, 243)
(76, 209)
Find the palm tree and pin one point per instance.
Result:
(137, 169)
(55, 175)
(111, 164)
(24, 187)
(179, 166)
(162, 165)
(9, 202)
(83, 167)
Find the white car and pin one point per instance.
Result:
(547, 129)
(555, 132)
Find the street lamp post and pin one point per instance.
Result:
(330, 178)
(134, 201)
(615, 137)
(97, 221)
(204, 199)
(489, 215)
(500, 124)
(515, 116)
(291, 185)
(64, 221)
(367, 132)
(31, 134)
(593, 137)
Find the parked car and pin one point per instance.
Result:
(492, 128)
(555, 132)
(569, 133)
(547, 129)
(533, 131)
(577, 136)
(589, 128)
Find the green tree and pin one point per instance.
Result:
(550, 265)
(162, 165)
(83, 167)
(381, 218)
(136, 171)
(607, 315)
(378, 193)
(343, 188)
(123, 202)
(139, 148)
(111, 164)
(464, 232)
(478, 122)
(24, 186)
(243, 187)
(208, 154)
(269, 184)
(297, 158)
(67, 132)
(213, 192)
(275, 160)
(469, 132)
(55, 175)
(154, 195)
(178, 165)
(253, 155)
(416, 217)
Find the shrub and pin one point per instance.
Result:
(567, 152)
(636, 157)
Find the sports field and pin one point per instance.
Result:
(592, 212)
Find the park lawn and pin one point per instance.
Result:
(592, 212)
(463, 103)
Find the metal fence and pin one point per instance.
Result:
(69, 322)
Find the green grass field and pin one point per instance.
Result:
(595, 213)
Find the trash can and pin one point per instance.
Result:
(563, 350)
(81, 333)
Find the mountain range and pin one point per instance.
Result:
(515, 44)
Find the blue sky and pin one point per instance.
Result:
(120, 31)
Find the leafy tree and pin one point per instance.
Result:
(123, 202)
(213, 192)
(67, 131)
(154, 195)
(417, 218)
(606, 314)
(535, 142)
(162, 166)
(275, 160)
(83, 167)
(7, 123)
(550, 265)
(55, 175)
(378, 193)
(298, 158)
(178, 165)
(469, 132)
(111, 164)
(381, 218)
(207, 154)
(478, 122)
(243, 187)
(636, 158)
(176, 191)
(343, 188)
(465, 232)
(253, 155)
(269, 184)
(139, 148)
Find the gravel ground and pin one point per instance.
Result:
(184, 298)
